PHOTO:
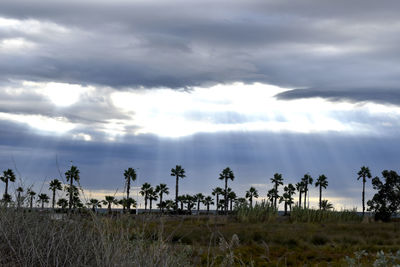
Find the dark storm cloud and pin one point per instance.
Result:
(183, 43)
(378, 95)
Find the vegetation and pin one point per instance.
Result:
(364, 173)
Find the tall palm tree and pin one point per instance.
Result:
(178, 172)
(277, 180)
(250, 194)
(31, 195)
(152, 196)
(216, 192)
(8, 176)
(71, 175)
(109, 200)
(322, 182)
(130, 175)
(144, 191)
(364, 173)
(94, 203)
(43, 198)
(207, 201)
(300, 189)
(162, 189)
(307, 180)
(19, 199)
(54, 186)
(226, 174)
(199, 199)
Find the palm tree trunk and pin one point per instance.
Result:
(198, 207)
(70, 195)
(145, 202)
(285, 208)
(363, 197)
(176, 192)
(208, 208)
(109, 207)
(93, 208)
(226, 196)
(42, 204)
(6, 192)
(231, 205)
(320, 196)
(31, 202)
(251, 202)
(54, 199)
(305, 197)
(161, 206)
(128, 188)
(300, 193)
(290, 207)
(276, 195)
(151, 201)
(217, 202)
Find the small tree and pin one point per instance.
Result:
(177, 172)
(144, 191)
(19, 198)
(43, 198)
(109, 200)
(8, 176)
(199, 199)
(72, 175)
(162, 189)
(290, 191)
(94, 204)
(277, 180)
(152, 196)
(31, 195)
(387, 200)
(250, 194)
(307, 180)
(207, 202)
(54, 186)
(322, 182)
(216, 192)
(129, 175)
(62, 203)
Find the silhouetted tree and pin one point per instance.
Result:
(322, 182)
(8, 176)
(190, 202)
(199, 199)
(277, 180)
(226, 174)
(152, 197)
(109, 200)
(289, 191)
(94, 204)
(325, 205)
(386, 201)
(178, 172)
(162, 189)
(216, 192)
(129, 175)
(250, 194)
(31, 195)
(307, 180)
(231, 197)
(19, 198)
(63, 203)
(144, 191)
(300, 189)
(364, 173)
(43, 198)
(54, 186)
(207, 201)
(71, 175)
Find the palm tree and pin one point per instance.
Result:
(73, 193)
(169, 204)
(144, 191)
(307, 180)
(226, 174)
(276, 180)
(44, 198)
(162, 189)
(325, 205)
(127, 201)
(216, 192)
(231, 197)
(208, 201)
(129, 175)
(182, 200)
(190, 201)
(54, 186)
(19, 199)
(178, 172)
(198, 198)
(250, 194)
(364, 173)
(109, 200)
(94, 203)
(31, 195)
(71, 175)
(290, 191)
(8, 176)
(271, 195)
(300, 188)
(63, 203)
(322, 182)
(152, 196)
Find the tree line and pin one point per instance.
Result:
(384, 203)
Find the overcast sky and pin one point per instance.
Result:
(260, 86)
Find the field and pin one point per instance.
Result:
(48, 239)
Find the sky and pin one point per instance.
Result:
(263, 87)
